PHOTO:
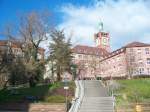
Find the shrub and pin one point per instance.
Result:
(55, 99)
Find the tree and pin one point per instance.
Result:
(60, 52)
(34, 72)
(17, 74)
(93, 65)
(33, 29)
(3, 68)
(81, 69)
(74, 71)
(6, 56)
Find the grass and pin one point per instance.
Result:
(133, 91)
(21, 93)
(55, 99)
(44, 93)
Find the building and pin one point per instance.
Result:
(102, 40)
(15, 48)
(50, 73)
(131, 60)
(128, 61)
(9, 51)
(87, 58)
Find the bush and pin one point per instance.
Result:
(55, 99)
(98, 78)
(141, 76)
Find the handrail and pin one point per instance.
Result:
(82, 93)
(76, 103)
(111, 93)
(76, 97)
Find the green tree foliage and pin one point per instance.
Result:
(74, 71)
(3, 68)
(35, 72)
(60, 53)
(17, 71)
(32, 30)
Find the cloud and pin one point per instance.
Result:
(125, 20)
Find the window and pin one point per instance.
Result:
(148, 70)
(141, 70)
(121, 50)
(148, 60)
(131, 50)
(85, 56)
(140, 60)
(139, 50)
(118, 58)
(120, 65)
(147, 50)
(132, 59)
(80, 56)
(141, 63)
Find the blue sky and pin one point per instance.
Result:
(125, 20)
(9, 9)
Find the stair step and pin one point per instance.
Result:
(96, 98)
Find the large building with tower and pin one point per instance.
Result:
(131, 60)
(87, 58)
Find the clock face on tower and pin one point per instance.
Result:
(104, 41)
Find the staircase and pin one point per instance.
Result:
(96, 98)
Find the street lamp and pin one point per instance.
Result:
(66, 87)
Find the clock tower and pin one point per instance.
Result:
(102, 39)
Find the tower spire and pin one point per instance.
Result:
(102, 38)
(100, 26)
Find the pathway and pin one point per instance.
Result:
(96, 98)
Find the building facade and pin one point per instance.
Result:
(128, 61)
(16, 49)
(102, 40)
(87, 58)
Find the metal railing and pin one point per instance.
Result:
(79, 94)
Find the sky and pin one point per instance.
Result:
(125, 20)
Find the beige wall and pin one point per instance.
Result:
(114, 66)
(133, 61)
(123, 62)
(88, 64)
(137, 60)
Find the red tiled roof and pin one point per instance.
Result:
(136, 44)
(16, 44)
(41, 49)
(122, 49)
(114, 53)
(81, 49)
(3, 42)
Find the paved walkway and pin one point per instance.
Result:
(33, 107)
(96, 98)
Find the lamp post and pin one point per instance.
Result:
(66, 89)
